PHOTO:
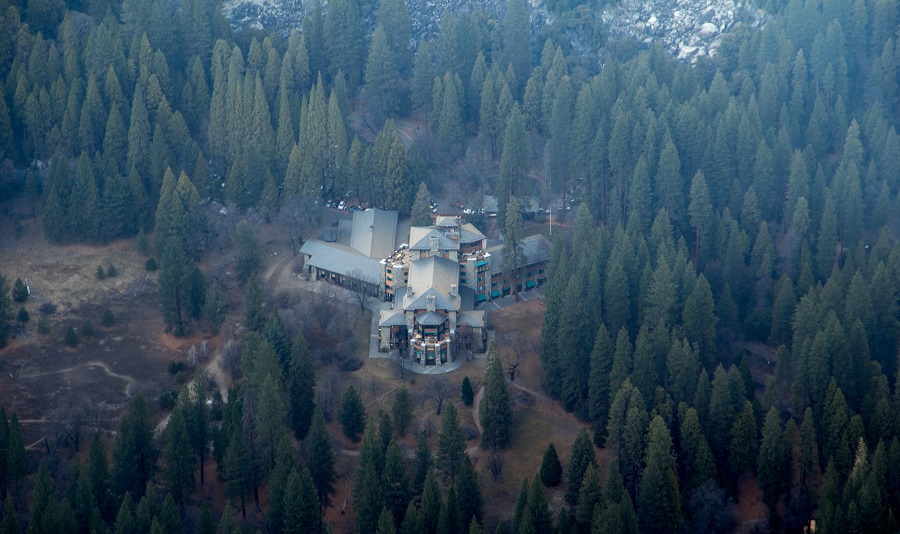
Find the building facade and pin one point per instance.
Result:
(435, 281)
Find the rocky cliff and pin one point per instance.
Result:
(689, 29)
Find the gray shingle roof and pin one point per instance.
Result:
(473, 318)
(341, 260)
(431, 319)
(420, 301)
(392, 318)
(535, 247)
(374, 232)
(420, 239)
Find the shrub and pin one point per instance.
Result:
(101, 274)
(71, 338)
(150, 264)
(168, 399)
(466, 392)
(350, 364)
(47, 308)
(111, 271)
(19, 291)
(176, 367)
(87, 329)
(108, 319)
(23, 316)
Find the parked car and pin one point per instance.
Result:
(341, 205)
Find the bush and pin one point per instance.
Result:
(111, 271)
(551, 469)
(350, 364)
(101, 274)
(466, 392)
(168, 399)
(19, 291)
(108, 319)
(150, 264)
(87, 329)
(44, 326)
(47, 308)
(23, 316)
(176, 367)
(71, 338)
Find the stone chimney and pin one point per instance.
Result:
(435, 247)
(452, 290)
(430, 303)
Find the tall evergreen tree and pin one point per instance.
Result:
(321, 458)
(302, 387)
(496, 415)
(582, 456)
(659, 499)
(179, 458)
(421, 208)
(134, 452)
(451, 445)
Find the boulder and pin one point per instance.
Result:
(708, 30)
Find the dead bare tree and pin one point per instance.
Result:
(495, 464)
(404, 362)
(514, 346)
(361, 286)
(71, 419)
(438, 390)
(300, 215)
(327, 393)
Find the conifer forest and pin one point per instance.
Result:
(720, 323)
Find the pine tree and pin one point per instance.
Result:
(179, 459)
(742, 447)
(134, 453)
(343, 41)
(582, 456)
(451, 445)
(301, 504)
(450, 125)
(589, 498)
(139, 134)
(411, 521)
(541, 518)
(352, 414)
(659, 500)
(381, 76)
(551, 469)
(496, 415)
(321, 458)
(514, 160)
(696, 464)
(470, 500)
(420, 214)
(394, 484)
(386, 523)
(700, 210)
(771, 463)
(422, 461)
(599, 397)
(237, 469)
(669, 183)
(513, 247)
(430, 506)
(302, 387)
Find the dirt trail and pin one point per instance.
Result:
(476, 409)
(129, 382)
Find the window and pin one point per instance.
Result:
(540, 271)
